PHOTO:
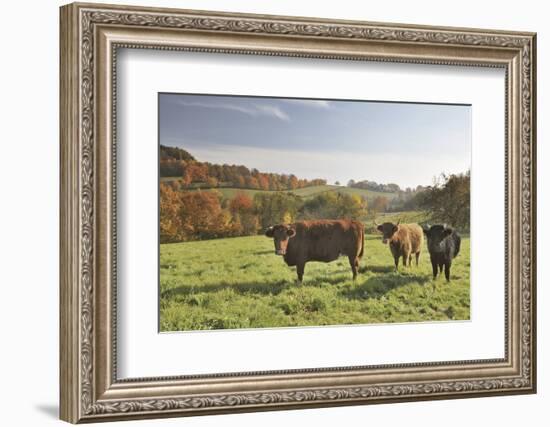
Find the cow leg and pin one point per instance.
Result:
(396, 260)
(440, 268)
(410, 259)
(434, 268)
(405, 257)
(417, 255)
(448, 271)
(354, 263)
(300, 270)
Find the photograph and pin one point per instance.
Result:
(289, 212)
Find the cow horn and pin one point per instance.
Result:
(444, 226)
(375, 223)
(398, 221)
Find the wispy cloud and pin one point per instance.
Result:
(271, 110)
(253, 109)
(337, 140)
(317, 103)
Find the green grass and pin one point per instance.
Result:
(369, 194)
(230, 192)
(240, 283)
(318, 189)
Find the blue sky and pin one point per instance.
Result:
(407, 144)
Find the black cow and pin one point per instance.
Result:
(443, 245)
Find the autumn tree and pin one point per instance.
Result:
(448, 200)
(276, 208)
(335, 205)
(212, 182)
(245, 220)
(293, 182)
(251, 182)
(202, 216)
(241, 203)
(170, 220)
(379, 204)
(197, 172)
(174, 153)
(171, 167)
(240, 182)
(263, 182)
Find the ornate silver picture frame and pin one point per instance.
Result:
(91, 36)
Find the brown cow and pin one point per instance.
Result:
(404, 239)
(321, 240)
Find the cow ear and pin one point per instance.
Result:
(379, 228)
(395, 228)
(447, 231)
(269, 232)
(290, 232)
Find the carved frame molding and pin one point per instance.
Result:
(90, 36)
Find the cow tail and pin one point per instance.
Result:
(362, 243)
(457, 243)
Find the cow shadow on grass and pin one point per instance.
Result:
(271, 288)
(377, 269)
(376, 287)
(264, 252)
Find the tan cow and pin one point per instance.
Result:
(404, 240)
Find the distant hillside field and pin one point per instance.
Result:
(305, 193)
(318, 189)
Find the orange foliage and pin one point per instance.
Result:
(241, 203)
(202, 215)
(191, 215)
(170, 221)
(195, 172)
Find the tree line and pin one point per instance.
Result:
(176, 162)
(447, 200)
(374, 186)
(199, 215)
(195, 215)
(399, 200)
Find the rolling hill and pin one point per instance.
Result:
(305, 193)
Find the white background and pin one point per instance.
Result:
(141, 347)
(29, 172)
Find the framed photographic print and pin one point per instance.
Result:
(265, 212)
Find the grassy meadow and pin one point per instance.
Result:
(240, 283)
